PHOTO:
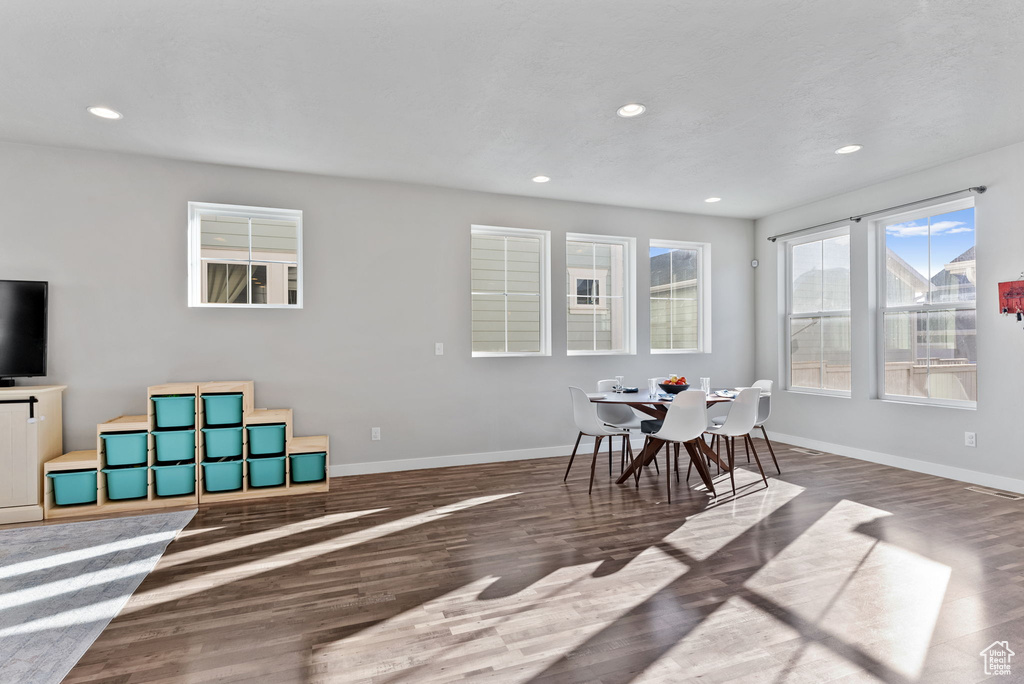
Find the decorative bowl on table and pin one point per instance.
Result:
(672, 389)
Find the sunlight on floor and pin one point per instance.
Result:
(467, 631)
(172, 559)
(709, 531)
(217, 578)
(77, 583)
(37, 564)
(876, 598)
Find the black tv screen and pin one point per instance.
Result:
(22, 328)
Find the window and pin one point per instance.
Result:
(599, 290)
(927, 305)
(818, 312)
(244, 256)
(680, 297)
(511, 272)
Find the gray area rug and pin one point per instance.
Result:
(61, 584)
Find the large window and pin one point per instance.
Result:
(599, 294)
(818, 312)
(244, 256)
(680, 297)
(511, 272)
(927, 305)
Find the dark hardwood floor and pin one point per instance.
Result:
(841, 571)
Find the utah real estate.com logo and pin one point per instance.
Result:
(997, 658)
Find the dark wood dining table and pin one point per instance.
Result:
(656, 406)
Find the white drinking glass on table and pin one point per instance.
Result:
(618, 382)
(652, 386)
(705, 385)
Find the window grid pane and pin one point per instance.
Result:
(675, 298)
(597, 317)
(929, 351)
(506, 294)
(819, 283)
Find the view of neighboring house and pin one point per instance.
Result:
(937, 348)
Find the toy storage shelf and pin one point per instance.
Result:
(148, 423)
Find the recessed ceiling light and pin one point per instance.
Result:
(105, 112)
(712, 200)
(848, 149)
(540, 179)
(631, 110)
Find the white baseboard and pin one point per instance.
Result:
(1008, 484)
(393, 466)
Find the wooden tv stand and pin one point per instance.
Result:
(31, 433)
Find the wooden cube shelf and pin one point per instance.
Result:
(94, 459)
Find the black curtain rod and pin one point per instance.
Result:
(980, 189)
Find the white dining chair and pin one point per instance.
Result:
(740, 421)
(685, 422)
(616, 415)
(584, 413)
(764, 411)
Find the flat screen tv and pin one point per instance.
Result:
(22, 329)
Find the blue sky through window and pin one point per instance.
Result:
(952, 234)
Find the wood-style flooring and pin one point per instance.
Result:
(841, 570)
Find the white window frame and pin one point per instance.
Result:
(703, 294)
(878, 225)
(628, 292)
(543, 295)
(788, 316)
(196, 263)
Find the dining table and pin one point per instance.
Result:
(656, 405)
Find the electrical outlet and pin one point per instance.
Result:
(375, 434)
(439, 349)
(970, 439)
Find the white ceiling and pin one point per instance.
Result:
(746, 99)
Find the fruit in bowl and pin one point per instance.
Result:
(674, 385)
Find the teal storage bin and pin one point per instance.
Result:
(223, 442)
(309, 467)
(175, 445)
(174, 412)
(222, 409)
(74, 487)
(125, 448)
(127, 483)
(266, 439)
(222, 476)
(267, 471)
(175, 480)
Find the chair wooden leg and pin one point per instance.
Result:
(747, 449)
(593, 463)
(756, 459)
(730, 446)
(770, 450)
(689, 469)
(677, 461)
(611, 443)
(668, 470)
(578, 438)
(656, 468)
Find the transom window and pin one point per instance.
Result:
(244, 256)
(927, 305)
(600, 300)
(511, 272)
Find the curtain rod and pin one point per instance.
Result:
(980, 189)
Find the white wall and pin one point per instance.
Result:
(108, 232)
(931, 436)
